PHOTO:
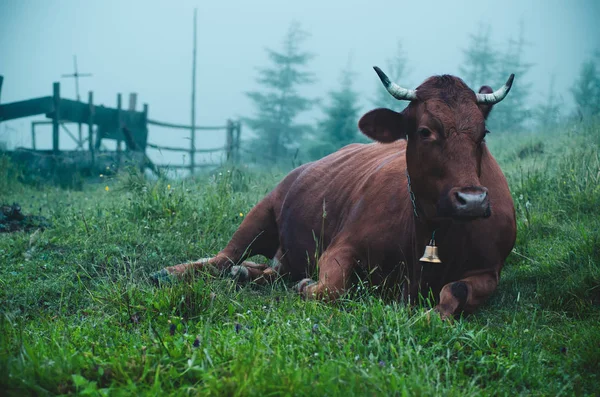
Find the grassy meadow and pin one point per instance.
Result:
(80, 316)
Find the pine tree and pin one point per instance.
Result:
(480, 59)
(515, 110)
(548, 114)
(279, 103)
(339, 127)
(586, 90)
(397, 70)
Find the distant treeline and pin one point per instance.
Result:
(279, 137)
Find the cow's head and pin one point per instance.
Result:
(445, 127)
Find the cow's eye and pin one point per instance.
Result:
(424, 132)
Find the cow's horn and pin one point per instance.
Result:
(497, 95)
(394, 89)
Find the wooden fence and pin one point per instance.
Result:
(112, 123)
(121, 125)
(231, 149)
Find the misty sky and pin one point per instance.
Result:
(146, 47)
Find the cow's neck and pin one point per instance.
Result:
(426, 227)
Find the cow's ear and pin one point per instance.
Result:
(382, 125)
(485, 109)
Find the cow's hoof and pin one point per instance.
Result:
(301, 286)
(240, 274)
(162, 277)
(445, 313)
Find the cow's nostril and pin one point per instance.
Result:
(460, 199)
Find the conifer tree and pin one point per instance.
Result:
(586, 90)
(479, 63)
(514, 111)
(339, 126)
(279, 101)
(549, 112)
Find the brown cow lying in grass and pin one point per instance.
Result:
(374, 208)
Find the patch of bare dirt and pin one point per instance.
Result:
(12, 219)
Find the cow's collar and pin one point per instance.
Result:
(411, 195)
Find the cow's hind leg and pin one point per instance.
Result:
(336, 266)
(257, 235)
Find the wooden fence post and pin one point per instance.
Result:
(238, 133)
(145, 124)
(229, 140)
(119, 132)
(132, 101)
(55, 117)
(192, 147)
(90, 123)
(33, 135)
(193, 126)
(147, 163)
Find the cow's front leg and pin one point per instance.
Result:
(258, 273)
(214, 265)
(335, 271)
(467, 294)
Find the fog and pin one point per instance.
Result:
(146, 47)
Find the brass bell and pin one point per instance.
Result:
(431, 253)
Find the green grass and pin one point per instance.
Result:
(79, 315)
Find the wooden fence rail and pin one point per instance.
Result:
(185, 166)
(232, 143)
(186, 127)
(180, 149)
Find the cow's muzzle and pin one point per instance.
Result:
(469, 202)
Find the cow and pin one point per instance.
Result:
(369, 211)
